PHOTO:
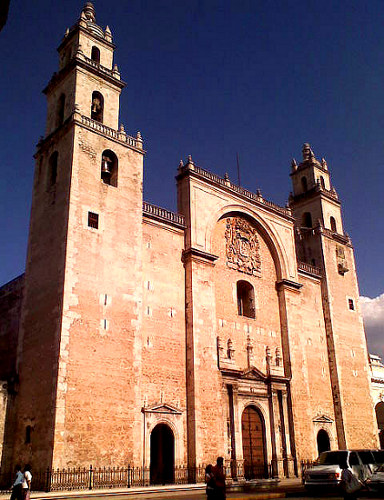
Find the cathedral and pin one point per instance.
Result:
(159, 339)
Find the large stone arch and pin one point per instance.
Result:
(277, 250)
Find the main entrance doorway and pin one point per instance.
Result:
(323, 443)
(253, 431)
(162, 455)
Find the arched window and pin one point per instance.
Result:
(60, 110)
(307, 219)
(245, 299)
(95, 54)
(52, 169)
(109, 167)
(333, 224)
(97, 107)
(304, 184)
(322, 182)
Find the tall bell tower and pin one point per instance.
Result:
(80, 346)
(322, 242)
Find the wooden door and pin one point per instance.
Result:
(253, 443)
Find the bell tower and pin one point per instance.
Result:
(322, 242)
(79, 349)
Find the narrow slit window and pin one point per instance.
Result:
(52, 170)
(93, 220)
(351, 304)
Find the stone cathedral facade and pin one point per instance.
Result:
(142, 336)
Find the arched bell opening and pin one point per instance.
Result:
(304, 184)
(307, 220)
(332, 222)
(97, 107)
(95, 54)
(109, 168)
(323, 442)
(162, 443)
(253, 437)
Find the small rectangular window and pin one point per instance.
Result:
(351, 304)
(93, 220)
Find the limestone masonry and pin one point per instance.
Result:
(146, 337)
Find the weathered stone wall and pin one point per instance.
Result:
(163, 332)
(37, 362)
(101, 337)
(350, 347)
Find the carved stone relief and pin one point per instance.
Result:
(242, 246)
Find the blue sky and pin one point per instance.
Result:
(214, 78)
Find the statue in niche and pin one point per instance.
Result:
(242, 246)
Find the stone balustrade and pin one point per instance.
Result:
(163, 214)
(240, 190)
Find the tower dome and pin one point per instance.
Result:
(89, 16)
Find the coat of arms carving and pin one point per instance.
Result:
(243, 249)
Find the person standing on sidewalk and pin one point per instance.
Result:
(17, 492)
(219, 475)
(27, 482)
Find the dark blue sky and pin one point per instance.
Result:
(211, 78)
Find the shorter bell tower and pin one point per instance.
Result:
(322, 242)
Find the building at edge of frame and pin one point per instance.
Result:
(146, 337)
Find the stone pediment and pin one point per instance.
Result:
(253, 374)
(163, 408)
(323, 419)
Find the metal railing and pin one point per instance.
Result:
(89, 478)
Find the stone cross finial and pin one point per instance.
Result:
(293, 165)
(181, 164)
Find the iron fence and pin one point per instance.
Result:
(89, 478)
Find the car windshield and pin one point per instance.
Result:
(379, 456)
(367, 457)
(333, 458)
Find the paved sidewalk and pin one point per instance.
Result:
(263, 490)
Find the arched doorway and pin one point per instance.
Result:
(253, 432)
(323, 443)
(162, 455)
(380, 422)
